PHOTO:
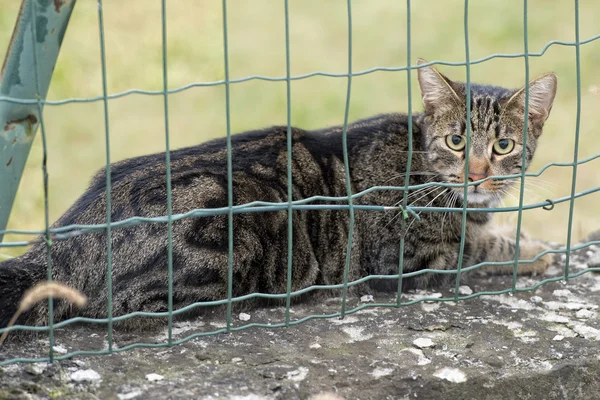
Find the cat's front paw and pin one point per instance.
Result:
(530, 249)
(511, 232)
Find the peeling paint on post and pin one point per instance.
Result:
(18, 94)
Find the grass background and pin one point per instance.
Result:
(318, 40)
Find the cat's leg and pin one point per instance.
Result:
(498, 246)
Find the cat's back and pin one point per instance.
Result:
(263, 146)
(258, 154)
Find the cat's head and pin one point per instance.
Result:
(496, 130)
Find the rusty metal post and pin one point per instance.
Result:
(19, 120)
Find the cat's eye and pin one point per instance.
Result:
(456, 142)
(504, 146)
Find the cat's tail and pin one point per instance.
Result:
(16, 276)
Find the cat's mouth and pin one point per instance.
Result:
(478, 196)
(486, 194)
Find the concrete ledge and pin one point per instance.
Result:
(533, 345)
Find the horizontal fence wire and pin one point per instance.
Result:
(262, 325)
(300, 77)
(67, 231)
(49, 235)
(311, 288)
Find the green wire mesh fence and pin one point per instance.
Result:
(345, 203)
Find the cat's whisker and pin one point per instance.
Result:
(422, 192)
(393, 177)
(535, 185)
(449, 202)
(530, 190)
(457, 199)
(432, 190)
(393, 218)
(527, 192)
(540, 181)
(410, 194)
(426, 205)
(540, 184)
(427, 189)
(509, 194)
(403, 175)
(503, 194)
(423, 188)
(534, 194)
(546, 188)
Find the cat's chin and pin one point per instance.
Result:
(479, 199)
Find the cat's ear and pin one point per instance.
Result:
(436, 90)
(542, 91)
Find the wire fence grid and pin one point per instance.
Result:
(345, 202)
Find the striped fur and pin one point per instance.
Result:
(378, 153)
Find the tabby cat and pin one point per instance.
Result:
(378, 155)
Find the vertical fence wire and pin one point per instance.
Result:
(109, 305)
(47, 235)
(229, 171)
(524, 152)
(289, 165)
(410, 154)
(168, 172)
(576, 146)
(347, 164)
(463, 228)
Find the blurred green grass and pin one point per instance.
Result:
(318, 42)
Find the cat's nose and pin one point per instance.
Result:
(474, 176)
(479, 168)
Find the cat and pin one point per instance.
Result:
(378, 154)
